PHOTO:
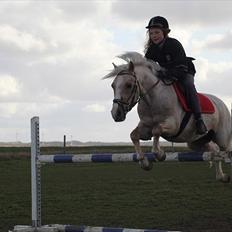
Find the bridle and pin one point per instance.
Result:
(131, 101)
(136, 93)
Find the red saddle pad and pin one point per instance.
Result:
(206, 104)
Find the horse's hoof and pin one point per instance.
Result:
(145, 164)
(162, 157)
(225, 179)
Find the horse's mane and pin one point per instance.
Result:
(137, 59)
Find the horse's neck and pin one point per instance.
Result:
(159, 95)
(156, 87)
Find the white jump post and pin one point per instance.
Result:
(35, 174)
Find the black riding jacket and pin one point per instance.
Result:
(170, 54)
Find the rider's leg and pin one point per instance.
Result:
(193, 101)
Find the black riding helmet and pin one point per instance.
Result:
(160, 22)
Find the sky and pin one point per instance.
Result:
(53, 55)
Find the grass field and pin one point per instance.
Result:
(174, 196)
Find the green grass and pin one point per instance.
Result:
(90, 149)
(172, 196)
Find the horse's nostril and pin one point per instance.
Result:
(119, 114)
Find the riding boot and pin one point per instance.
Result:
(200, 126)
(193, 101)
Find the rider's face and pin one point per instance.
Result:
(156, 35)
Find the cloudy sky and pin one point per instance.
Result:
(53, 55)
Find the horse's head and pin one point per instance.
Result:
(126, 84)
(126, 93)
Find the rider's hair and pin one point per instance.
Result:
(148, 41)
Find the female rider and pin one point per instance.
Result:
(170, 55)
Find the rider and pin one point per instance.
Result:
(170, 55)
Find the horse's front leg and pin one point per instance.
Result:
(143, 161)
(160, 154)
(135, 136)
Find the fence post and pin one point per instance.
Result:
(64, 144)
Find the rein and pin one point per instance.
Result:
(153, 86)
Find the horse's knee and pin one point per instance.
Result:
(134, 135)
(143, 133)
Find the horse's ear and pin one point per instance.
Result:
(115, 66)
(131, 66)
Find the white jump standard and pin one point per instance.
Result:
(37, 159)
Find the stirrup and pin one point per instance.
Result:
(201, 127)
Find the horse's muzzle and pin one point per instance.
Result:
(118, 113)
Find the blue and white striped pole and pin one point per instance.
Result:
(72, 228)
(122, 157)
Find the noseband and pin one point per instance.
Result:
(132, 99)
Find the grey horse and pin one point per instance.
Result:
(161, 114)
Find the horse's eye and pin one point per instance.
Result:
(128, 86)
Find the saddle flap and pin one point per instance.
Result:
(206, 104)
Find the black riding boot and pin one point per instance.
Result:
(200, 126)
(193, 101)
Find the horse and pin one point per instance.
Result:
(161, 114)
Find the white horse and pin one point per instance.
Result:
(161, 114)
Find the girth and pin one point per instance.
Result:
(183, 124)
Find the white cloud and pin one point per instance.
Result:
(25, 110)
(22, 40)
(185, 13)
(96, 108)
(213, 43)
(218, 79)
(202, 66)
(9, 86)
(8, 110)
(220, 67)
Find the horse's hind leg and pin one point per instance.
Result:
(215, 152)
(214, 148)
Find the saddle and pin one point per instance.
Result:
(206, 104)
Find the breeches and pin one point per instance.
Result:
(188, 86)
